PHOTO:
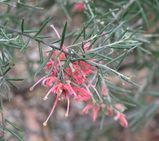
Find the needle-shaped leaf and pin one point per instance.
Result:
(14, 134)
(14, 79)
(22, 26)
(63, 35)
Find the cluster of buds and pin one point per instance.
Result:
(75, 80)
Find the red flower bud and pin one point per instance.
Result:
(79, 7)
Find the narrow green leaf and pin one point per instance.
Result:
(63, 35)
(152, 93)
(7, 70)
(40, 53)
(142, 12)
(145, 50)
(22, 26)
(121, 60)
(14, 134)
(14, 79)
(13, 125)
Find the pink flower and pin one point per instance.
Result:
(86, 45)
(79, 7)
(49, 81)
(69, 88)
(109, 111)
(122, 119)
(62, 91)
(87, 108)
(58, 88)
(79, 71)
(59, 54)
(120, 107)
(95, 110)
(95, 113)
(86, 68)
(83, 95)
(55, 66)
(49, 64)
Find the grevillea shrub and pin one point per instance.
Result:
(85, 63)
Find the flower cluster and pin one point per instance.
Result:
(75, 80)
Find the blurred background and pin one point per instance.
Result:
(23, 111)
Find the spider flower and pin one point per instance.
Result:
(76, 80)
